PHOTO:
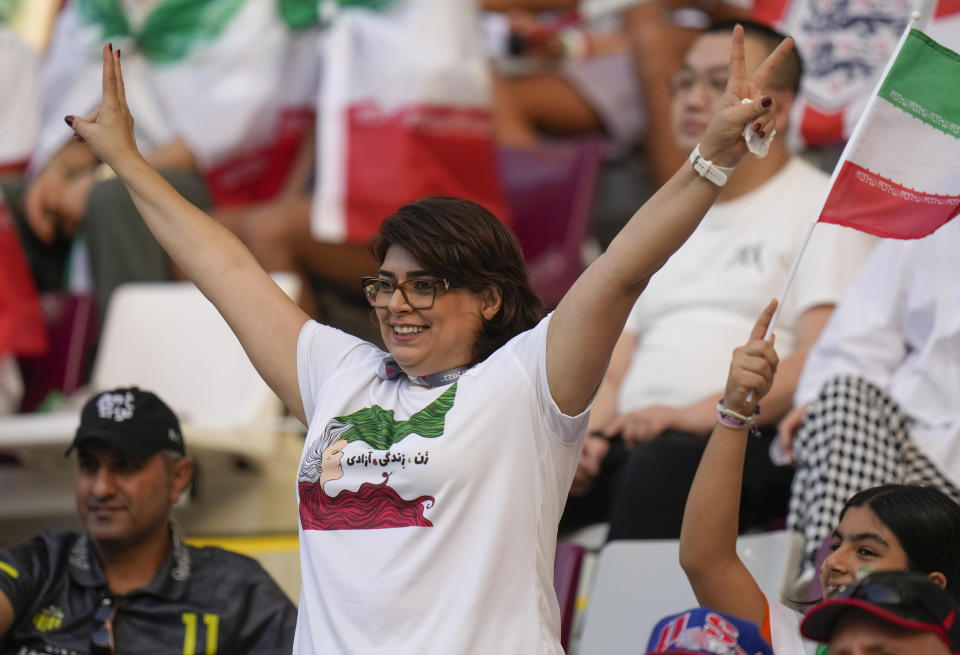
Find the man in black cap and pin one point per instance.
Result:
(887, 613)
(129, 584)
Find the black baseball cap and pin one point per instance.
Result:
(901, 598)
(133, 422)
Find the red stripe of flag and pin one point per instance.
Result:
(946, 8)
(871, 203)
(22, 328)
(821, 127)
(423, 150)
(771, 12)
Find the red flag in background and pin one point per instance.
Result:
(22, 330)
(404, 113)
(845, 45)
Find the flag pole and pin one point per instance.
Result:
(854, 136)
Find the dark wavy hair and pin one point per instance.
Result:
(461, 241)
(925, 521)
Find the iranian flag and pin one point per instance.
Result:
(404, 112)
(900, 173)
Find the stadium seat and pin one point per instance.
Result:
(71, 322)
(639, 582)
(550, 189)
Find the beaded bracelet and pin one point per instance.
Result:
(733, 423)
(735, 420)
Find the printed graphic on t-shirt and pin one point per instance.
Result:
(375, 504)
(748, 255)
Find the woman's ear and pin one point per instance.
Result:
(938, 578)
(490, 300)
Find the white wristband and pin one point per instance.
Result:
(707, 169)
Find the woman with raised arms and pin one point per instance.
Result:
(448, 458)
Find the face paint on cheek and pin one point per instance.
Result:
(863, 572)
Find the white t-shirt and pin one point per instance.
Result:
(704, 301)
(784, 636)
(478, 471)
(899, 328)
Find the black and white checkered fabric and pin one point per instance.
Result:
(854, 437)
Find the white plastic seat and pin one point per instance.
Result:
(169, 339)
(637, 583)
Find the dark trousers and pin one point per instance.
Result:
(47, 261)
(121, 247)
(644, 490)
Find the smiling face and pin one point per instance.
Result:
(861, 543)
(700, 83)
(425, 341)
(123, 502)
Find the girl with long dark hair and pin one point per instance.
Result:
(890, 527)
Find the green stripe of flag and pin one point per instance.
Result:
(923, 82)
(304, 13)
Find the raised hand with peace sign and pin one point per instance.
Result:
(723, 142)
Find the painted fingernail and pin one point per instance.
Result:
(756, 127)
(68, 120)
(766, 101)
(118, 53)
(762, 134)
(110, 45)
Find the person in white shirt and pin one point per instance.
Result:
(890, 527)
(879, 397)
(660, 390)
(433, 475)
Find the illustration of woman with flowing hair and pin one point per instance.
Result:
(372, 505)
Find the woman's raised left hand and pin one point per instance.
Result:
(752, 368)
(723, 142)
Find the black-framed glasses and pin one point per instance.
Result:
(419, 293)
(102, 641)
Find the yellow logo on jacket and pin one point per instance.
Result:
(49, 618)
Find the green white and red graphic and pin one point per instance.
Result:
(901, 175)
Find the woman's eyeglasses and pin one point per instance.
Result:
(419, 293)
(101, 640)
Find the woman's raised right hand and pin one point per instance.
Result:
(108, 131)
